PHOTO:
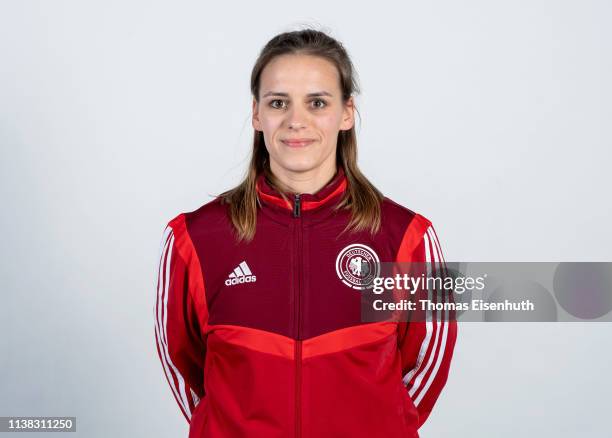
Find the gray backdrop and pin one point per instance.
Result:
(489, 118)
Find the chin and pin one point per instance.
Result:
(298, 165)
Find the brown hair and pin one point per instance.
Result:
(361, 197)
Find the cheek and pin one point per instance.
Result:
(270, 124)
(329, 124)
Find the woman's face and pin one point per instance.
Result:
(300, 99)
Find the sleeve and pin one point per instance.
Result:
(426, 344)
(180, 346)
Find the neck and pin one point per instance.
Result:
(308, 181)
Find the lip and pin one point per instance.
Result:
(298, 142)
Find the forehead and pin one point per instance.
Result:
(299, 73)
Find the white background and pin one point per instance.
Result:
(492, 119)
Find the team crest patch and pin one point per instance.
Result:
(357, 265)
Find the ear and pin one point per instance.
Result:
(255, 119)
(348, 115)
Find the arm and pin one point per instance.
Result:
(180, 290)
(426, 345)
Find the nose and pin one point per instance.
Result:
(296, 118)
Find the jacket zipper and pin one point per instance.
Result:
(297, 207)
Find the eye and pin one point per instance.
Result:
(275, 100)
(321, 101)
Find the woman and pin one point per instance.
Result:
(258, 322)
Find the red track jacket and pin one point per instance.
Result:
(265, 339)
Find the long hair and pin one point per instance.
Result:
(361, 197)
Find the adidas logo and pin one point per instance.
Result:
(241, 274)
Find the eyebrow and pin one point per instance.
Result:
(279, 93)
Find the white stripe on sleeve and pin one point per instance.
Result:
(430, 258)
(440, 267)
(428, 323)
(163, 287)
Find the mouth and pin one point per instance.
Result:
(299, 142)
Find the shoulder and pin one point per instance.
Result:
(395, 215)
(210, 217)
(415, 229)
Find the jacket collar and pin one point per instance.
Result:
(311, 205)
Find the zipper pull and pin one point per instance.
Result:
(296, 206)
